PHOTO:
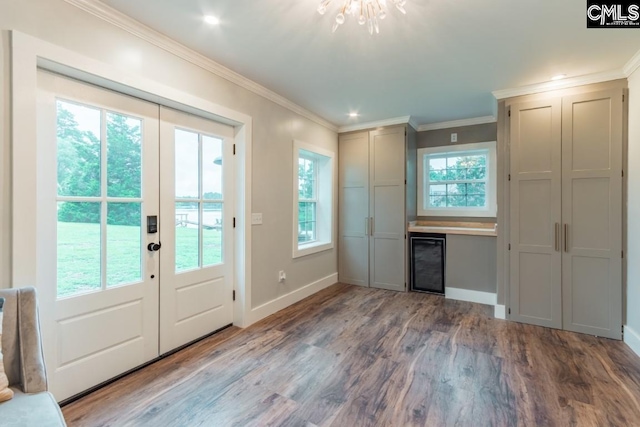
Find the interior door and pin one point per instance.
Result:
(97, 182)
(592, 213)
(387, 207)
(196, 293)
(354, 208)
(535, 257)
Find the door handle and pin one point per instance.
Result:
(154, 247)
(366, 226)
(566, 237)
(557, 236)
(372, 226)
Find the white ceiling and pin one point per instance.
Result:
(440, 62)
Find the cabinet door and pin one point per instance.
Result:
(387, 207)
(592, 213)
(353, 167)
(535, 257)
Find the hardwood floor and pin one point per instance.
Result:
(351, 356)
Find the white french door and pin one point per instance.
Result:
(114, 298)
(196, 189)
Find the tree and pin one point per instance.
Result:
(306, 210)
(469, 169)
(123, 169)
(79, 168)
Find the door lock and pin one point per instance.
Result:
(154, 247)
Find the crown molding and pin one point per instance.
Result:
(560, 84)
(413, 123)
(457, 123)
(122, 21)
(380, 123)
(632, 65)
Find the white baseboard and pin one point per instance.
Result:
(487, 298)
(293, 297)
(500, 311)
(632, 339)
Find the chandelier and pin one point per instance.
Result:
(368, 12)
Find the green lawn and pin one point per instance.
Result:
(79, 254)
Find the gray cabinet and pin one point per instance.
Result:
(372, 207)
(566, 212)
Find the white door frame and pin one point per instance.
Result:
(29, 54)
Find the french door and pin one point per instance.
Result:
(119, 292)
(196, 270)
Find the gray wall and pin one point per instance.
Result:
(471, 263)
(274, 129)
(466, 135)
(633, 210)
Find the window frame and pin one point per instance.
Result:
(490, 211)
(324, 189)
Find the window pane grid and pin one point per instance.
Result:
(307, 199)
(457, 180)
(99, 233)
(199, 200)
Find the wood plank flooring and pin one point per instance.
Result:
(351, 356)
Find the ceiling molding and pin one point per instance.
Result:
(457, 123)
(158, 39)
(560, 84)
(633, 64)
(380, 123)
(413, 123)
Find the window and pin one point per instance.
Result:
(457, 180)
(313, 199)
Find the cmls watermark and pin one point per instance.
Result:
(623, 14)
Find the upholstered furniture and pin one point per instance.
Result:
(32, 404)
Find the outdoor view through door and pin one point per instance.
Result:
(113, 295)
(99, 200)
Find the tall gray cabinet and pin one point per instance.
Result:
(376, 200)
(566, 199)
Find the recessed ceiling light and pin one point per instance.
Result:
(558, 77)
(353, 114)
(211, 20)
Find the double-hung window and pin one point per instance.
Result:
(307, 197)
(313, 199)
(457, 180)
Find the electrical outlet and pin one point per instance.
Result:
(282, 276)
(454, 137)
(256, 219)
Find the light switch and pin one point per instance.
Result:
(256, 219)
(454, 137)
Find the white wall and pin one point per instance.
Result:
(633, 211)
(274, 129)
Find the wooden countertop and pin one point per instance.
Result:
(463, 228)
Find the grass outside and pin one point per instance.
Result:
(79, 254)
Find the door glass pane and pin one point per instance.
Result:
(124, 151)
(78, 248)
(211, 168)
(78, 150)
(212, 234)
(124, 264)
(187, 236)
(187, 165)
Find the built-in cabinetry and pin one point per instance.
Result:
(566, 156)
(375, 206)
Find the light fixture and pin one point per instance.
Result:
(353, 114)
(558, 77)
(368, 12)
(211, 20)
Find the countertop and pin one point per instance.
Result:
(465, 228)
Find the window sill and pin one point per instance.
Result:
(311, 248)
